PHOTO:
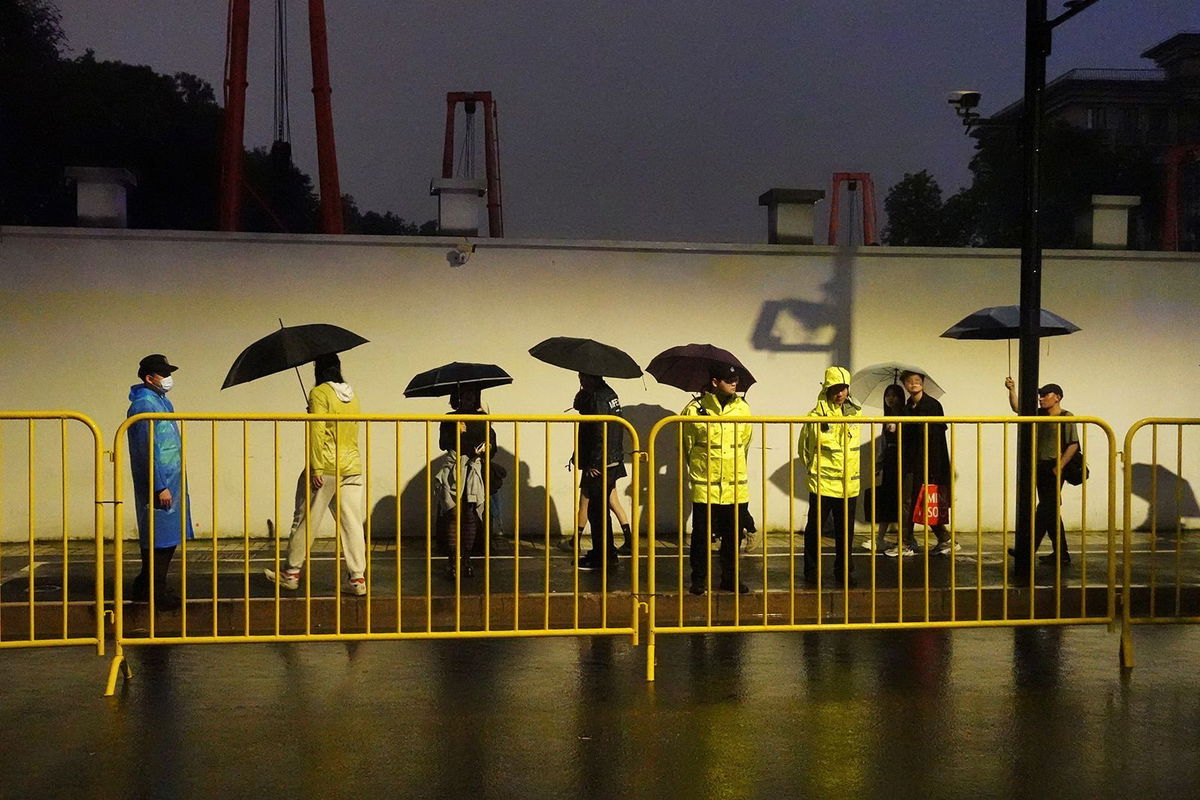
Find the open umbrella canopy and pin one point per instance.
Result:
(868, 384)
(289, 347)
(443, 380)
(688, 366)
(1004, 322)
(586, 355)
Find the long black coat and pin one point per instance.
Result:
(912, 440)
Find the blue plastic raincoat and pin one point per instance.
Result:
(168, 469)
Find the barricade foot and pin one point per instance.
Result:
(119, 664)
(1126, 651)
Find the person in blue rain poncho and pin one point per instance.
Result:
(168, 499)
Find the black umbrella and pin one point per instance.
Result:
(688, 366)
(1004, 322)
(289, 347)
(586, 355)
(441, 381)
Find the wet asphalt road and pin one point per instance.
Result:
(980, 713)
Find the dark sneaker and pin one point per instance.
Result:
(697, 589)
(1050, 558)
(139, 590)
(166, 600)
(727, 586)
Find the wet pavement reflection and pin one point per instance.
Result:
(1036, 712)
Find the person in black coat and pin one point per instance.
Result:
(919, 466)
(886, 497)
(601, 460)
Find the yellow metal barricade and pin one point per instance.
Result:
(1161, 559)
(239, 470)
(49, 595)
(965, 578)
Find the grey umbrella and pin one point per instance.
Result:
(868, 384)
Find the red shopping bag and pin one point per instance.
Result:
(930, 508)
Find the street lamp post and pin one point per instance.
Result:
(1038, 37)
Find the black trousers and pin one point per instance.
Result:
(1046, 519)
(842, 529)
(723, 526)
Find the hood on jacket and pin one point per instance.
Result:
(141, 390)
(342, 390)
(833, 377)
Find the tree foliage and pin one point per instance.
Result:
(1075, 165)
(61, 112)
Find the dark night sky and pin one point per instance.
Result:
(640, 120)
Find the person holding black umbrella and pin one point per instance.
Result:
(601, 460)
(1056, 446)
(716, 450)
(334, 480)
(466, 445)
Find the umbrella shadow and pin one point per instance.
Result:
(418, 508)
(799, 325)
(1173, 499)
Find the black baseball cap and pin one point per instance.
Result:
(1050, 387)
(155, 364)
(724, 372)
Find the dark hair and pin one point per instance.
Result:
(895, 390)
(457, 396)
(905, 375)
(328, 369)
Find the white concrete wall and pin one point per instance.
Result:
(82, 307)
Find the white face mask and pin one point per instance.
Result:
(166, 383)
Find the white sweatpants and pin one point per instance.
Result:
(354, 544)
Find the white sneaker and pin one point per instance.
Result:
(866, 545)
(287, 578)
(895, 551)
(358, 586)
(947, 547)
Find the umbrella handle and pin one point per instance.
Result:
(303, 391)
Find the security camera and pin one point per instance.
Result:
(964, 100)
(459, 255)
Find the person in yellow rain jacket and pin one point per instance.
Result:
(716, 466)
(334, 470)
(830, 455)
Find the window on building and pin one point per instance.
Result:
(1097, 118)
(1126, 124)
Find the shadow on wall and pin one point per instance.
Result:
(1172, 502)
(643, 417)
(415, 506)
(796, 325)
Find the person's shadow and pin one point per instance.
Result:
(418, 508)
(643, 417)
(1170, 498)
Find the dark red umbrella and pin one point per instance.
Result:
(688, 366)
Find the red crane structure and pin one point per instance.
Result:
(237, 47)
(1173, 192)
(852, 181)
(491, 151)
